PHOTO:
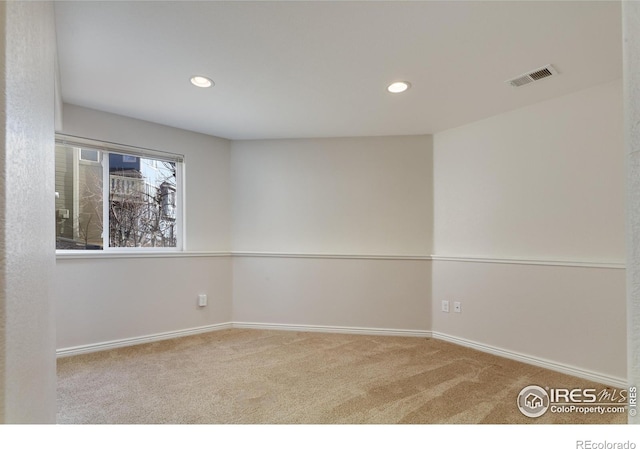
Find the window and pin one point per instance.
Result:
(132, 193)
(89, 155)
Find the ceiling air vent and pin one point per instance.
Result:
(535, 75)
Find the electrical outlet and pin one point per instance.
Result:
(457, 307)
(445, 306)
(202, 300)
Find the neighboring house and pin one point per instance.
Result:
(141, 197)
(79, 200)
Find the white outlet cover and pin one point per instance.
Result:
(457, 307)
(445, 306)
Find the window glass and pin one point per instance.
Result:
(141, 202)
(89, 155)
(138, 208)
(79, 206)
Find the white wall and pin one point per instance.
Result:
(109, 299)
(27, 326)
(572, 316)
(104, 299)
(356, 293)
(342, 197)
(338, 196)
(544, 182)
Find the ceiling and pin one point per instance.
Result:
(292, 69)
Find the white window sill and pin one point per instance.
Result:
(134, 254)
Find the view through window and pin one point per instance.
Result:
(131, 194)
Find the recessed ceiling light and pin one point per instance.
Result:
(201, 81)
(398, 87)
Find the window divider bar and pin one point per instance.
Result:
(106, 186)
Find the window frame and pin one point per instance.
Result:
(105, 148)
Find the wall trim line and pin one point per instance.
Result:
(523, 261)
(535, 361)
(65, 255)
(334, 329)
(331, 256)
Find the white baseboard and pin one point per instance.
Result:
(85, 349)
(512, 355)
(335, 329)
(536, 361)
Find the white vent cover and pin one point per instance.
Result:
(534, 75)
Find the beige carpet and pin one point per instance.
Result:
(255, 376)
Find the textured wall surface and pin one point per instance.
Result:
(631, 36)
(27, 324)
